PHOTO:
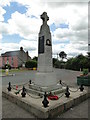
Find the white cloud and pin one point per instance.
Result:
(70, 49)
(5, 2)
(28, 45)
(73, 36)
(25, 26)
(9, 47)
(2, 12)
(4, 28)
(77, 44)
(75, 15)
(0, 37)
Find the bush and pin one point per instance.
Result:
(59, 64)
(31, 64)
(78, 62)
(85, 71)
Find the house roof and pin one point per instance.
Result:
(17, 53)
(11, 53)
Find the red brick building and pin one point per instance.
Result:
(14, 58)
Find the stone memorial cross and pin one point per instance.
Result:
(44, 17)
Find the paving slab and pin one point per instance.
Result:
(11, 110)
(79, 111)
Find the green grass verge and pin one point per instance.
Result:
(13, 70)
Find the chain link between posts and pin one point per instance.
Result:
(20, 84)
(62, 83)
(65, 85)
(33, 96)
(61, 95)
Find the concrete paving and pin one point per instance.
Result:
(67, 76)
(11, 110)
(79, 111)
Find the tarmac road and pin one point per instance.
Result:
(67, 76)
(18, 77)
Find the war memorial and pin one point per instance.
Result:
(46, 97)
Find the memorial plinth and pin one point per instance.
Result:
(54, 109)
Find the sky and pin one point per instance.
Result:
(20, 24)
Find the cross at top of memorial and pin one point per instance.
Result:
(44, 17)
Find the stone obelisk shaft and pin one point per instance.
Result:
(44, 46)
(45, 77)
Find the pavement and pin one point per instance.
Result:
(11, 110)
(79, 111)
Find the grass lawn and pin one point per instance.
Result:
(13, 70)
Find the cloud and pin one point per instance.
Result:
(72, 39)
(2, 12)
(5, 2)
(70, 34)
(9, 47)
(4, 28)
(28, 45)
(67, 1)
(77, 41)
(23, 25)
(0, 37)
(70, 49)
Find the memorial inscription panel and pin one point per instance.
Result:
(41, 45)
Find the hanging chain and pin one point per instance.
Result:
(20, 84)
(61, 95)
(32, 96)
(65, 85)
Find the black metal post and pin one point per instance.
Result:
(81, 87)
(9, 86)
(30, 81)
(60, 82)
(23, 92)
(67, 93)
(45, 102)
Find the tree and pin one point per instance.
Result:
(35, 58)
(54, 60)
(69, 63)
(88, 57)
(59, 64)
(78, 62)
(88, 54)
(62, 55)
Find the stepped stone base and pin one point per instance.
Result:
(38, 90)
(34, 104)
(45, 79)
